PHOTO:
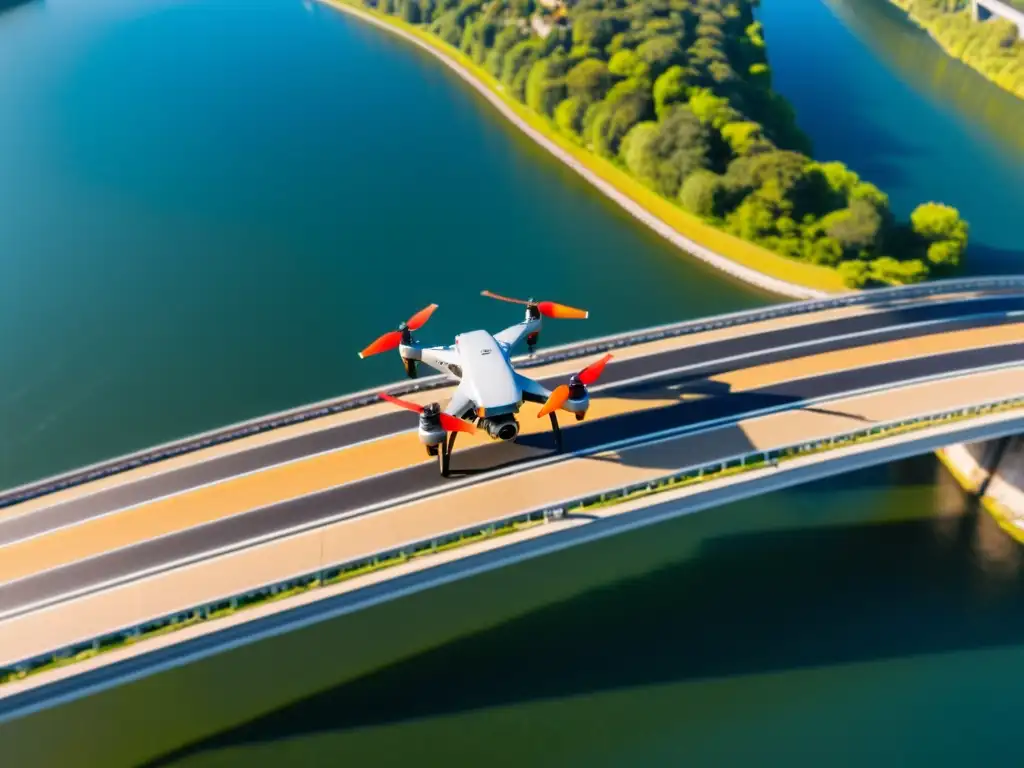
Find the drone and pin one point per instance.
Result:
(490, 391)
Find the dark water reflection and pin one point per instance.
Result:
(891, 566)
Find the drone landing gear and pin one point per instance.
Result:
(443, 451)
(557, 430)
(410, 368)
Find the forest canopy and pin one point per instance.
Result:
(678, 93)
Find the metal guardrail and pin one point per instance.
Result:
(326, 574)
(555, 354)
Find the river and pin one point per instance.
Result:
(218, 203)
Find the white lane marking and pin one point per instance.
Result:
(597, 388)
(634, 442)
(469, 564)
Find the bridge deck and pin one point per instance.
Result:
(347, 539)
(365, 465)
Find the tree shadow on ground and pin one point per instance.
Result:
(743, 604)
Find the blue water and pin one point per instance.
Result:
(874, 91)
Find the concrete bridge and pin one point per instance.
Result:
(687, 417)
(982, 10)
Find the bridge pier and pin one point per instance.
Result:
(993, 471)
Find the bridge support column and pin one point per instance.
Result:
(1004, 493)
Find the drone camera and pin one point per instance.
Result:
(501, 427)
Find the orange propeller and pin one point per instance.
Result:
(546, 308)
(392, 339)
(449, 423)
(561, 393)
(556, 400)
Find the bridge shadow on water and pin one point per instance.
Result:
(741, 604)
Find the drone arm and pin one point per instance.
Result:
(511, 336)
(441, 359)
(533, 392)
(460, 405)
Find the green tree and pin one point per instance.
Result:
(823, 251)
(519, 57)
(752, 220)
(627, 64)
(589, 80)
(569, 116)
(855, 273)
(943, 232)
(544, 88)
(856, 228)
(886, 269)
(745, 137)
(670, 88)
(409, 11)
(935, 222)
(628, 103)
(503, 42)
(702, 194)
(638, 151)
(659, 53)
(681, 146)
(713, 110)
(447, 27)
(592, 29)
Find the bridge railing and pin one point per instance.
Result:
(325, 575)
(551, 355)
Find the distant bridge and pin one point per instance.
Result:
(982, 10)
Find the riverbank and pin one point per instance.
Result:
(966, 40)
(742, 260)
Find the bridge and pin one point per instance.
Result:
(982, 10)
(686, 417)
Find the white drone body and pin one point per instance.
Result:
(490, 391)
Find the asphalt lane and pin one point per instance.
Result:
(757, 348)
(424, 479)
